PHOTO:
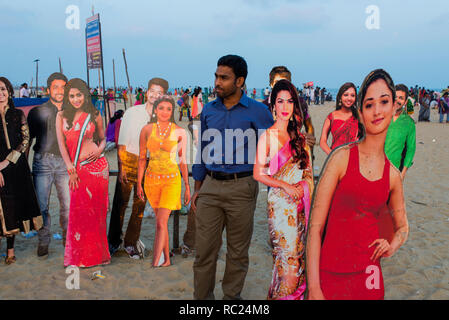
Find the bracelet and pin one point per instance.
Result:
(71, 171)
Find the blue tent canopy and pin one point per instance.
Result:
(26, 102)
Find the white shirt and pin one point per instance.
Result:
(433, 104)
(134, 119)
(24, 93)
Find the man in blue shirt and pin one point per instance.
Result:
(225, 191)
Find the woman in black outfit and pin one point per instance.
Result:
(19, 209)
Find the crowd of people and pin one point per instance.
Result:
(324, 234)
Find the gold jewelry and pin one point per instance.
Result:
(163, 134)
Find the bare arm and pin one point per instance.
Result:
(73, 175)
(309, 177)
(101, 133)
(182, 147)
(332, 174)
(121, 149)
(309, 126)
(324, 135)
(142, 158)
(124, 139)
(260, 164)
(61, 142)
(260, 173)
(195, 137)
(397, 210)
(196, 189)
(403, 172)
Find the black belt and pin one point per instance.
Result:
(228, 176)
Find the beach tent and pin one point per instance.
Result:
(26, 104)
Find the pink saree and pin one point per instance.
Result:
(86, 243)
(287, 223)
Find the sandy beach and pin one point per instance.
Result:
(420, 270)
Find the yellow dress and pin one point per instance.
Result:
(162, 178)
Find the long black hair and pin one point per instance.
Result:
(196, 92)
(166, 98)
(355, 114)
(117, 115)
(10, 89)
(69, 110)
(297, 139)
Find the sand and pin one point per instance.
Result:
(419, 270)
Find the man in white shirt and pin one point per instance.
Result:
(266, 93)
(24, 91)
(133, 121)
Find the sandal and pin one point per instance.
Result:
(10, 260)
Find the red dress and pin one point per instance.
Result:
(86, 243)
(346, 271)
(343, 131)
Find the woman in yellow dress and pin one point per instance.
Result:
(164, 140)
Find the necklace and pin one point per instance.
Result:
(163, 134)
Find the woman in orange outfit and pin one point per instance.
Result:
(163, 140)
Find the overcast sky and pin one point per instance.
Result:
(325, 41)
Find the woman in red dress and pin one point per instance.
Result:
(81, 140)
(356, 184)
(344, 122)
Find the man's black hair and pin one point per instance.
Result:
(403, 88)
(236, 63)
(55, 76)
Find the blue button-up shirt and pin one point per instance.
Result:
(228, 138)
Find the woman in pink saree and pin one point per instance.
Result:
(283, 163)
(79, 128)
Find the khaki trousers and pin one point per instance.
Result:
(189, 235)
(120, 204)
(223, 205)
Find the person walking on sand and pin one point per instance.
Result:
(48, 165)
(133, 121)
(24, 92)
(139, 97)
(443, 106)
(185, 105)
(225, 189)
